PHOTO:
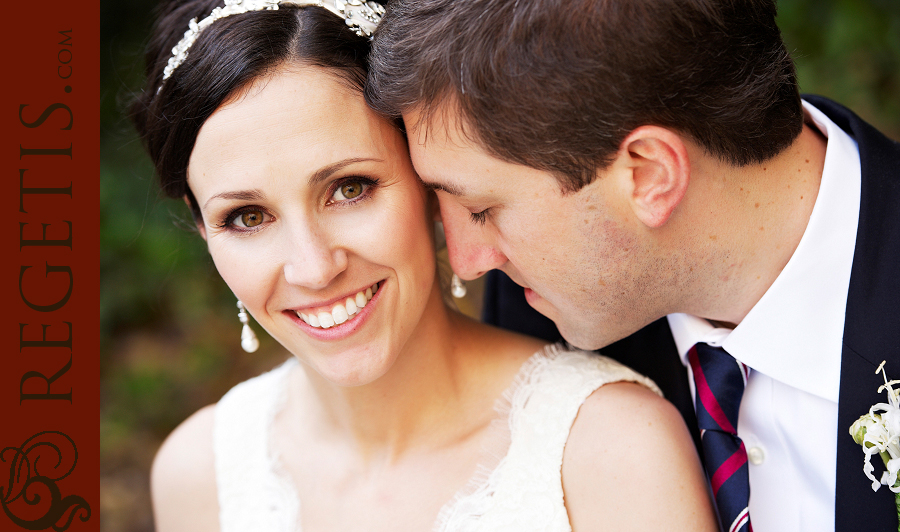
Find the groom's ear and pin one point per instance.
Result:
(659, 172)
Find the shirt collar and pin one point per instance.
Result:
(793, 334)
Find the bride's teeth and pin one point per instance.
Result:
(340, 315)
(341, 312)
(351, 306)
(326, 320)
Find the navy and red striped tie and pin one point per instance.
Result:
(720, 381)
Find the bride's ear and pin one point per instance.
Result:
(198, 220)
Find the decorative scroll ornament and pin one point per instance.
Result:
(32, 498)
(361, 17)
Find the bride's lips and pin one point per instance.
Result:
(320, 322)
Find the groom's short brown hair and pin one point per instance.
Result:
(558, 84)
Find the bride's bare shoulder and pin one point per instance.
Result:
(183, 479)
(629, 450)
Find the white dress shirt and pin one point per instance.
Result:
(791, 340)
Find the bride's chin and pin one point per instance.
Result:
(352, 369)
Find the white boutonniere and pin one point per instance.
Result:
(878, 432)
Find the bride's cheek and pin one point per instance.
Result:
(244, 274)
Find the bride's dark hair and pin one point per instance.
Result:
(229, 55)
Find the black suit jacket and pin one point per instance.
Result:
(871, 329)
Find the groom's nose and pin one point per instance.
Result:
(472, 246)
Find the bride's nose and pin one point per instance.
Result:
(313, 260)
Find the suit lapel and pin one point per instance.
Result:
(872, 324)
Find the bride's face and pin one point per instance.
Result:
(308, 201)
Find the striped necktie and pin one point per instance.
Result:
(720, 381)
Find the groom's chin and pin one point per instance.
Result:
(581, 335)
(594, 335)
(581, 341)
(576, 332)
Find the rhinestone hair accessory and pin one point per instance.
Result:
(361, 17)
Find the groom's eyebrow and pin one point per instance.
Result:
(449, 188)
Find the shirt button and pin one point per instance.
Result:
(756, 455)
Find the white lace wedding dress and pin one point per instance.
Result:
(520, 491)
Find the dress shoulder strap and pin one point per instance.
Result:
(524, 492)
(252, 496)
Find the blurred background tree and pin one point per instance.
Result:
(168, 323)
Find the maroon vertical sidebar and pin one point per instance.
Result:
(49, 267)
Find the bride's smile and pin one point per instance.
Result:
(338, 320)
(320, 226)
(336, 313)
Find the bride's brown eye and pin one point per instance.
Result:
(251, 218)
(351, 190)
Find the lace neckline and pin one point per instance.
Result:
(493, 455)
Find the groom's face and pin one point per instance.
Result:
(578, 255)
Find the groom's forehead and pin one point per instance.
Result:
(442, 124)
(448, 158)
(441, 147)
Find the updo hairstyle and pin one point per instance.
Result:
(228, 56)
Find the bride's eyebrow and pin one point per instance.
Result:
(320, 175)
(242, 195)
(325, 172)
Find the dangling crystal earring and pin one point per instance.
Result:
(457, 287)
(249, 341)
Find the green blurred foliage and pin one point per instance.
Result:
(168, 323)
(848, 50)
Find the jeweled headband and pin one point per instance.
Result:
(362, 17)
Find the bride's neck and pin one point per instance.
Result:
(419, 402)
